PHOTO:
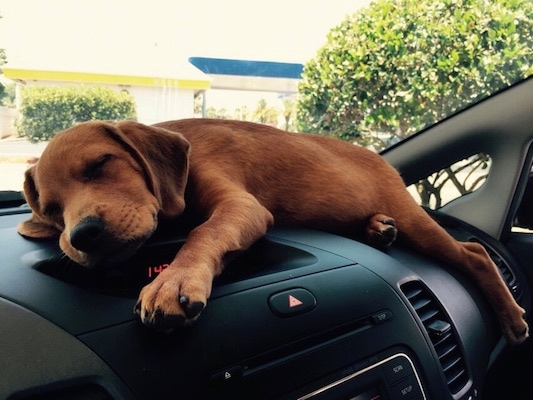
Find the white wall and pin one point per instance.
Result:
(158, 104)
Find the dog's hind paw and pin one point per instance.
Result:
(381, 231)
(515, 330)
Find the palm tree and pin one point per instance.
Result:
(264, 114)
(289, 114)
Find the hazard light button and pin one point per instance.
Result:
(292, 302)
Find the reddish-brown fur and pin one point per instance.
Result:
(237, 179)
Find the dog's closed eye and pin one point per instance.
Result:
(52, 210)
(94, 169)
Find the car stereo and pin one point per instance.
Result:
(393, 377)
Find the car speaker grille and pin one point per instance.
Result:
(441, 333)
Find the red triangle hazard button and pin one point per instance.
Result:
(294, 302)
(291, 302)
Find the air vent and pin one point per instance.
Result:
(505, 271)
(441, 332)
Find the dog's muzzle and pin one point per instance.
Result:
(100, 247)
(89, 235)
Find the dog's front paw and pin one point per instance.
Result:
(174, 299)
(381, 231)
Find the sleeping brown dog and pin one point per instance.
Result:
(102, 187)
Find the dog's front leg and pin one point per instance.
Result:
(178, 295)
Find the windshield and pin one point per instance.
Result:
(372, 73)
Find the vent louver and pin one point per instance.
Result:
(441, 332)
(505, 271)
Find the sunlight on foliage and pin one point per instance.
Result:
(397, 66)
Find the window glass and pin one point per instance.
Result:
(523, 221)
(450, 183)
(371, 72)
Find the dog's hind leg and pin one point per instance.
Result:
(417, 229)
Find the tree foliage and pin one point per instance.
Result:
(262, 113)
(289, 114)
(265, 114)
(8, 95)
(399, 65)
(46, 110)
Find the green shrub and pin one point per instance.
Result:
(400, 65)
(46, 110)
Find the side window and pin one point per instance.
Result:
(523, 221)
(450, 183)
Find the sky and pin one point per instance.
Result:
(115, 33)
(156, 37)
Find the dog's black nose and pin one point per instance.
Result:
(88, 234)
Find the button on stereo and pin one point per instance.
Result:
(382, 316)
(408, 389)
(228, 375)
(292, 302)
(397, 369)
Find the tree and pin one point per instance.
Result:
(3, 57)
(8, 95)
(399, 65)
(465, 176)
(265, 114)
(289, 114)
(220, 113)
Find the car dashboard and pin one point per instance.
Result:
(301, 315)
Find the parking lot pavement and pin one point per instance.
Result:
(19, 147)
(14, 156)
(12, 175)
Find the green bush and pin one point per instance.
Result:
(46, 110)
(400, 65)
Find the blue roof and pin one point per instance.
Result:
(263, 69)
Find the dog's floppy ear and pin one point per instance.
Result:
(35, 227)
(164, 155)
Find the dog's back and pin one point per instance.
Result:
(309, 180)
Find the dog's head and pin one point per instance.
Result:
(100, 187)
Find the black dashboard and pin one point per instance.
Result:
(301, 315)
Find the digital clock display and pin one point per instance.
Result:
(125, 279)
(153, 271)
(129, 277)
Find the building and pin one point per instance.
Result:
(158, 98)
(171, 95)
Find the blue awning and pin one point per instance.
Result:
(260, 69)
